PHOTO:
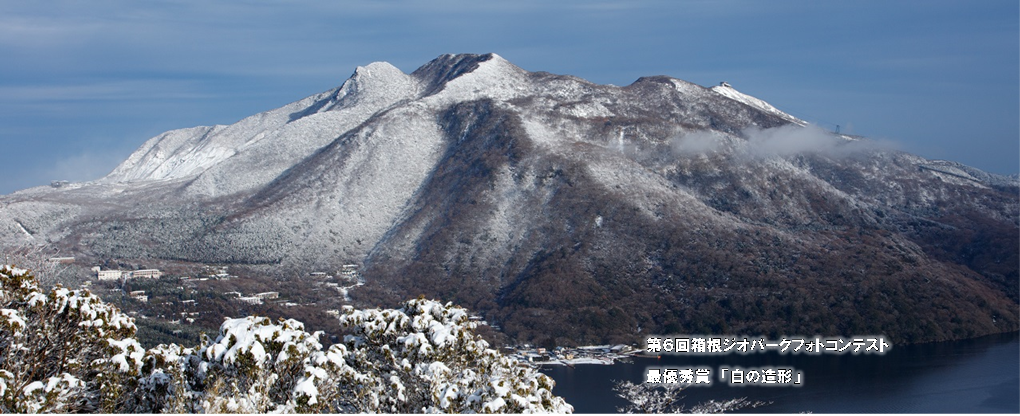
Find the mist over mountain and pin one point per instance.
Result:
(565, 211)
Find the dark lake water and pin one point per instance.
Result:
(971, 376)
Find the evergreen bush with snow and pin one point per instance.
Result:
(62, 350)
(67, 351)
(434, 362)
(651, 398)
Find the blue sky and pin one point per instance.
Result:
(85, 83)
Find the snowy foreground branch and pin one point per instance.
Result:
(666, 398)
(67, 351)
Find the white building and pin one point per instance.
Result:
(117, 274)
(140, 295)
(109, 274)
(251, 300)
(149, 273)
(349, 272)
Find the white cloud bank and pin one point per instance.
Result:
(781, 141)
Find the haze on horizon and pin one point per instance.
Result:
(90, 82)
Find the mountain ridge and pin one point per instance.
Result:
(562, 208)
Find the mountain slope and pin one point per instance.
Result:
(566, 211)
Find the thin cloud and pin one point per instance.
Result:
(28, 32)
(793, 140)
(697, 143)
(103, 91)
(784, 141)
(83, 167)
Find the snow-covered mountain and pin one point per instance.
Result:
(565, 210)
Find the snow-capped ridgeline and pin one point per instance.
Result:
(355, 156)
(161, 156)
(251, 153)
(275, 140)
(186, 152)
(726, 90)
(257, 149)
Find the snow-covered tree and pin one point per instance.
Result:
(67, 351)
(422, 358)
(62, 350)
(425, 357)
(651, 398)
(253, 366)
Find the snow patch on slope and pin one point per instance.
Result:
(728, 91)
(586, 110)
(507, 224)
(645, 189)
(30, 220)
(959, 173)
(361, 187)
(188, 155)
(171, 154)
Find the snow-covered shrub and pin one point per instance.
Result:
(253, 366)
(62, 350)
(425, 357)
(67, 351)
(651, 398)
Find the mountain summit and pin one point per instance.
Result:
(563, 210)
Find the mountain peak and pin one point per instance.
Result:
(377, 69)
(374, 78)
(438, 72)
